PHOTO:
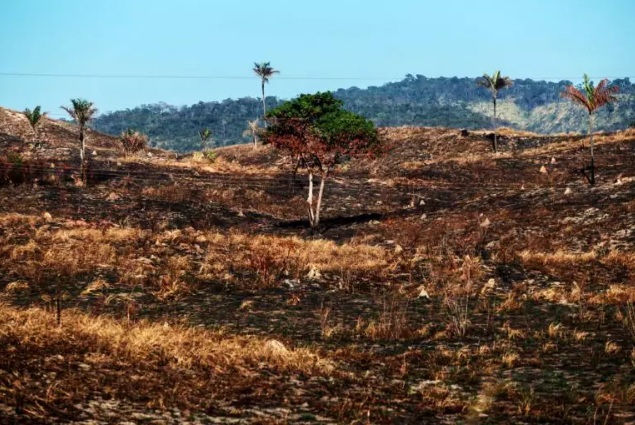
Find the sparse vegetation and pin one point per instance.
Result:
(133, 142)
(206, 136)
(494, 84)
(82, 112)
(265, 72)
(253, 131)
(442, 287)
(35, 117)
(591, 98)
(317, 133)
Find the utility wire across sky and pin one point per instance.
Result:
(245, 77)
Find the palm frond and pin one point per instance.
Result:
(494, 83)
(264, 71)
(81, 111)
(589, 96)
(34, 116)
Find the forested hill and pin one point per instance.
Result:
(416, 100)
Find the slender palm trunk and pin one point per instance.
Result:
(82, 152)
(592, 168)
(495, 128)
(264, 104)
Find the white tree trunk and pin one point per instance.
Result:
(320, 195)
(309, 200)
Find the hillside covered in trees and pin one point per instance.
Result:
(416, 100)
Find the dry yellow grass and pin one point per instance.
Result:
(140, 342)
(234, 257)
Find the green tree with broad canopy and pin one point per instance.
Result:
(494, 84)
(591, 98)
(316, 132)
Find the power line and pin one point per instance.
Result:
(244, 77)
(180, 77)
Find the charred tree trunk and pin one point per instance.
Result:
(592, 167)
(82, 150)
(495, 128)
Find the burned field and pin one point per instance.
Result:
(445, 285)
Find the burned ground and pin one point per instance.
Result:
(446, 285)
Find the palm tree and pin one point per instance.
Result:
(34, 117)
(82, 112)
(252, 130)
(494, 83)
(205, 135)
(264, 71)
(592, 98)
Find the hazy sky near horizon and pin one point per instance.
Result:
(320, 45)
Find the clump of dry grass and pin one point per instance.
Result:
(270, 258)
(179, 345)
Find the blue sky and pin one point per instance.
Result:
(316, 45)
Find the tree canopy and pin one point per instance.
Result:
(316, 128)
(318, 134)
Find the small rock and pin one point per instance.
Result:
(113, 197)
(486, 222)
(489, 286)
(398, 249)
(291, 283)
(543, 170)
(423, 217)
(275, 347)
(568, 191)
(314, 273)
(553, 160)
(422, 292)
(422, 202)
(17, 286)
(47, 217)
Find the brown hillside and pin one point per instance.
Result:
(58, 138)
(446, 285)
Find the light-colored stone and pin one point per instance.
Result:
(422, 292)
